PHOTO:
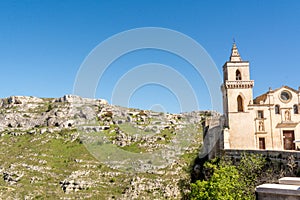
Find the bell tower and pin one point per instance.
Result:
(237, 86)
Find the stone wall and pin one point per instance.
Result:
(275, 156)
(287, 189)
(272, 154)
(272, 196)
(213, 142)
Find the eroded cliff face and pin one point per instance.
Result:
(48, 149)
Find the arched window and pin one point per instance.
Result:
(277, 108)
(295, 108)
(238, 75)
(240, 104)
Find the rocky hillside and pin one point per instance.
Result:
(77, 148)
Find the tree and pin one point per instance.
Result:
(226, 181)
(251, 169)
(224, 184)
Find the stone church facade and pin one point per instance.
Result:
(270, 121)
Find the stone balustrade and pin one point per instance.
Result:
(239, 84)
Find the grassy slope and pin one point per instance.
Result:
(58, 158)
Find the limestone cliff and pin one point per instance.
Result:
(45, 144)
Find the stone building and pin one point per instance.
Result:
(270, 121)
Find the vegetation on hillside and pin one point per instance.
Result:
(41, 163)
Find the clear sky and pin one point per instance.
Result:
(43, 43)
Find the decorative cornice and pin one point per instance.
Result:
(287, 125)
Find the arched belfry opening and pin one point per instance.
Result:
(240, 104)
(238, 75)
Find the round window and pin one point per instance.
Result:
(285, 96)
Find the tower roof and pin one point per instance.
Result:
(235, 56)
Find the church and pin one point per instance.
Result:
(269, 121)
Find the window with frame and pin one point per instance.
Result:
(262, 143)
(260, 114)
(277, 109)
(295, 108)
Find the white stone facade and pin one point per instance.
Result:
(270, 121)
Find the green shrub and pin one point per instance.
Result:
(224, 184)
(226, 181)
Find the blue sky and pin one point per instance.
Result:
(43, 43)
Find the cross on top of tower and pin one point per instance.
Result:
(235, 56)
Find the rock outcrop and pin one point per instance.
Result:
(73, 119)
